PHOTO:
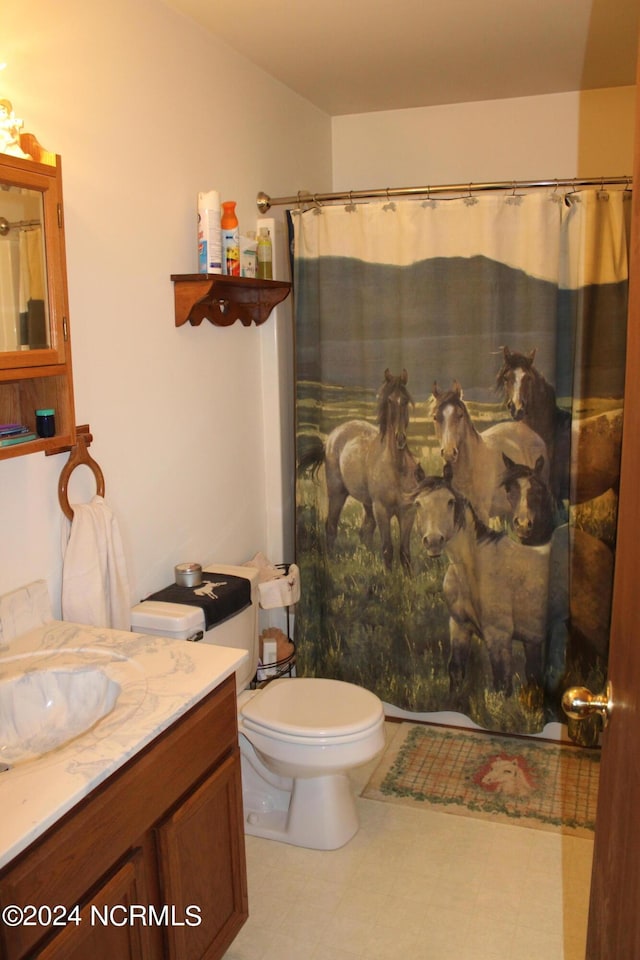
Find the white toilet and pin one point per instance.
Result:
(299, 736)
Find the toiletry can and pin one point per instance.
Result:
(209, 233)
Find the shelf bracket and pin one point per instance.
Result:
(222, 300)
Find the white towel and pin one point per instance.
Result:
(95, 587)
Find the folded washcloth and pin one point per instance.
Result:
(266, 569)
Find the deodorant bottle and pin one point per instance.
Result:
(209, 233)
(230, 240)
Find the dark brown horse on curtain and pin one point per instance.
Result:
(530, 398)
(533, 514)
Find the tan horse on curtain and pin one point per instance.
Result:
(495, 588)
(374, 466)
(476, 459)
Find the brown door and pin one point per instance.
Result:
(614, 912)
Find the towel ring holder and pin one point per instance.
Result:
(79, 455)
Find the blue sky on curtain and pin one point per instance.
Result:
(407, 312)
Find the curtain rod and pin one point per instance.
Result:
(265, 202)
(6, 226)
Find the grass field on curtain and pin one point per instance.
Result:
(393, 635)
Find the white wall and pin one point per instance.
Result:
(146, 109)
(559, 135)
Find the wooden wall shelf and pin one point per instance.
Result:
(222, 300)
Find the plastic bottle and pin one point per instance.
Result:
(230, 240)
(209, 233)
(265, 267)
(249, 255)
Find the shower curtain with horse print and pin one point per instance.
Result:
(459, 392)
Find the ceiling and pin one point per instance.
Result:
(360, 56)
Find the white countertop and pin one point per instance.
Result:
(161, 679)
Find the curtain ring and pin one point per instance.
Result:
(389, 205)
(470, 200)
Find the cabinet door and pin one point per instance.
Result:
(33, 299)
(118, 937)
(202, 865)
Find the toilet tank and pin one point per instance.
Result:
(183, 622)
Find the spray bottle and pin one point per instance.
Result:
(230, 239)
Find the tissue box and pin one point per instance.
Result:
(276, 588)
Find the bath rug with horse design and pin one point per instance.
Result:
(526, 782)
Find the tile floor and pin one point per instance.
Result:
(418, 884)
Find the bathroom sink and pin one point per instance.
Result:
(43, 708)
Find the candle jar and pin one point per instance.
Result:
(45, 423)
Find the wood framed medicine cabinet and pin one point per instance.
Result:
(35, 346)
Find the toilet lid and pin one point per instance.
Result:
(313, 707)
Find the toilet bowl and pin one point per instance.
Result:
(299, 736)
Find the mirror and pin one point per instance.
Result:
(24, 308)
(33, 290)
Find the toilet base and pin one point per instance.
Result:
(320, 814)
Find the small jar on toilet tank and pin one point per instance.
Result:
(188, 574)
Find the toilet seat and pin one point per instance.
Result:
(312, 710)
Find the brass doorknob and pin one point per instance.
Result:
(579, 703)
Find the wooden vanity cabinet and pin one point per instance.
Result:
(153, 859)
